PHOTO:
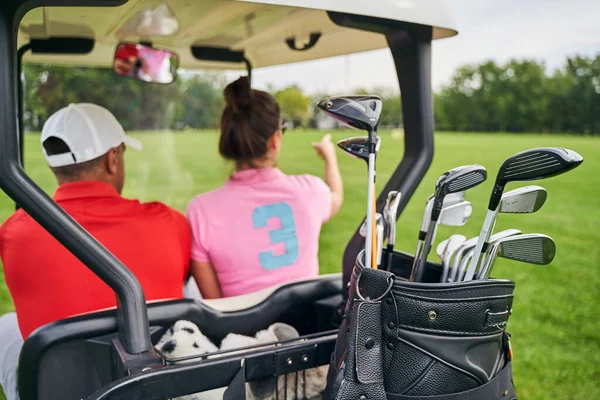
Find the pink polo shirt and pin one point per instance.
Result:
(260, 229)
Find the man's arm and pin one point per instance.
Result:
(326, 150)
(206, 279)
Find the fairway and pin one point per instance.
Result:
(554, 324)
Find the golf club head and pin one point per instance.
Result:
(456, 180)
(454, 242)
(456, 214)
(533, 164)
(358, 146)
(391, 212)
(360, 112)
(524, 200)
(459, 254)
(531, 248)
(363, 227)
(448, 250)
(450, 199)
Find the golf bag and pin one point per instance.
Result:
(404, 340)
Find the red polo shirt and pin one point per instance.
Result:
(48, 283)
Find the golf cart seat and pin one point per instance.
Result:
(71, 358)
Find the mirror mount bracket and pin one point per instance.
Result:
(314, 38)
(222, 54)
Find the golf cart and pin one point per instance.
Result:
(110, 354)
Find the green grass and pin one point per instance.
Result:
(555, 320)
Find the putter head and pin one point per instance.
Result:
(456, 180)
(360, 112)
(531, 248)
(456, 214)
(524, 200)
(358, 146)
(533, 164)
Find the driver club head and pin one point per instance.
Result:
(358, 146)
(360, 112)
(531, 248)
(533, 164)
(523, 200)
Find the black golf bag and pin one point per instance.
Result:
(403, 340)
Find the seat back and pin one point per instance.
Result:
(71, 358)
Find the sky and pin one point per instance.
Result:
(544, 30)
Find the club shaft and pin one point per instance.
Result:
(445, 269)
(417, 254)
(369, 245)
(484, 237)
(417, 274)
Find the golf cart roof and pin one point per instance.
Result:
(261, 29)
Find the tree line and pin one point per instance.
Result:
(518, 96)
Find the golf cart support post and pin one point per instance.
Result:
(410, 45)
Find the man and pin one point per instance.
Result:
(84, 146)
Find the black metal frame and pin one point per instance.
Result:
(410, 45)
(131, 305)
(411, 48)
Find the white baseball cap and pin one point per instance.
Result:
(89, 131)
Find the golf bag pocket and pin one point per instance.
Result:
(407, 340)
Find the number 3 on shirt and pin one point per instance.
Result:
(286, 234)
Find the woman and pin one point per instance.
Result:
(261, 228)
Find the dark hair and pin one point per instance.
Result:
(54, 146)
(249, 119)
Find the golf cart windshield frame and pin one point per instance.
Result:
(410, 45)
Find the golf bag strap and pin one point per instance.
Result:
(496, 319)
(369, 343)
(237, 388)
(500, 387)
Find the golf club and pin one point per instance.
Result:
(361, 112)
(528, 165)
(455, 258)
(389, 213)
(458, 268)
(523, 200)
(456, 180)
(358, 147)
(531, 248)
(380, 234)
(450, 199)
(448, 249)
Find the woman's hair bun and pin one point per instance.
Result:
(238, 95)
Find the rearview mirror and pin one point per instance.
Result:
(145, 63)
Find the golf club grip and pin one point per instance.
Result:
(484, 236)
(417, 274)
(390, 257)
